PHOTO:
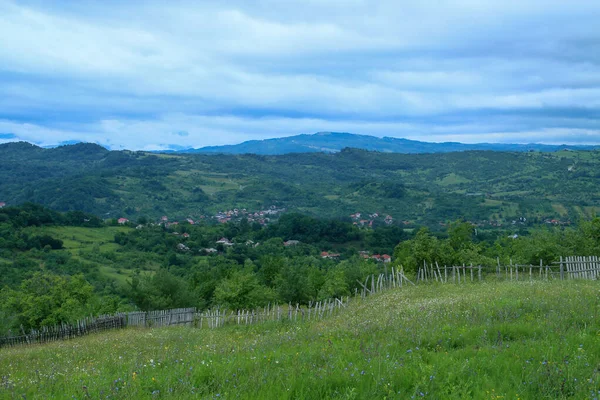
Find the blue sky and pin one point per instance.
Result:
(150, 75)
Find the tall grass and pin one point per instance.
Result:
(505, 340)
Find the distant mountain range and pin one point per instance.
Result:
(331, 142)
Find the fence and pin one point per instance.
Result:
(567, 268)
(182, 316)
(574, 267)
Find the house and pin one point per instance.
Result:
(186, 235)
(331, 256)
(386, 258)
(224, 241)
(2, 204)
(210, 250)
(364, 254)
(355, 216)
(164, 218)
(291, 243)
(182, 247)
(190, 221)
(122, 221)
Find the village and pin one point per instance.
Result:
(262, 217)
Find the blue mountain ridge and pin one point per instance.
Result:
(331, 142)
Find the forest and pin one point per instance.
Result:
(60, 266)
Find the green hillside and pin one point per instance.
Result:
(486, 187)
(486, 341)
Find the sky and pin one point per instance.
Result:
(166, 75)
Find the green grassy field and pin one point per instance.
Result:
(80, 238)
(487, 341)
(82, 242)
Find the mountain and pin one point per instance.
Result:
(331, 142)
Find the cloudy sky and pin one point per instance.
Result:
(152, 75)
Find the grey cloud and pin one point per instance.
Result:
(87, 71)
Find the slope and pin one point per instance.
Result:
(535, 340)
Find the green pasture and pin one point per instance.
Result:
(510, 340)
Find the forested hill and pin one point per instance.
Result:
(331, 142)
(495, 187)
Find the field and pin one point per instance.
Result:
(511, 340)
(80, 238)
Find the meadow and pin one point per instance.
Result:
(493, 340)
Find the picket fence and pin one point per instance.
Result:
(574, 267)
(182, 317)
(567, 268)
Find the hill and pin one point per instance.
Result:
(482, 186)
(331, 142)
(535, 340)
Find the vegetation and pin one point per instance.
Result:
(484, 187)
(483, 341)
(52, 271)
(487, 341)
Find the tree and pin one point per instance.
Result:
(48, 299)
(411, 254)
(161, 291)
(242, 291)
(335, 285)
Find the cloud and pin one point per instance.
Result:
(136, 76)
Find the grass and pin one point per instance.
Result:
(452, 179)
(488, 341)
(80, 238)
(118, 275)
(82, 242)
(560, 209)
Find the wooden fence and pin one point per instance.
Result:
(182, 316)
(574, 267)
(566, 268)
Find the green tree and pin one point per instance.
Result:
(242, 290)
(335, 284)
(48, 299)
(424, 247)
